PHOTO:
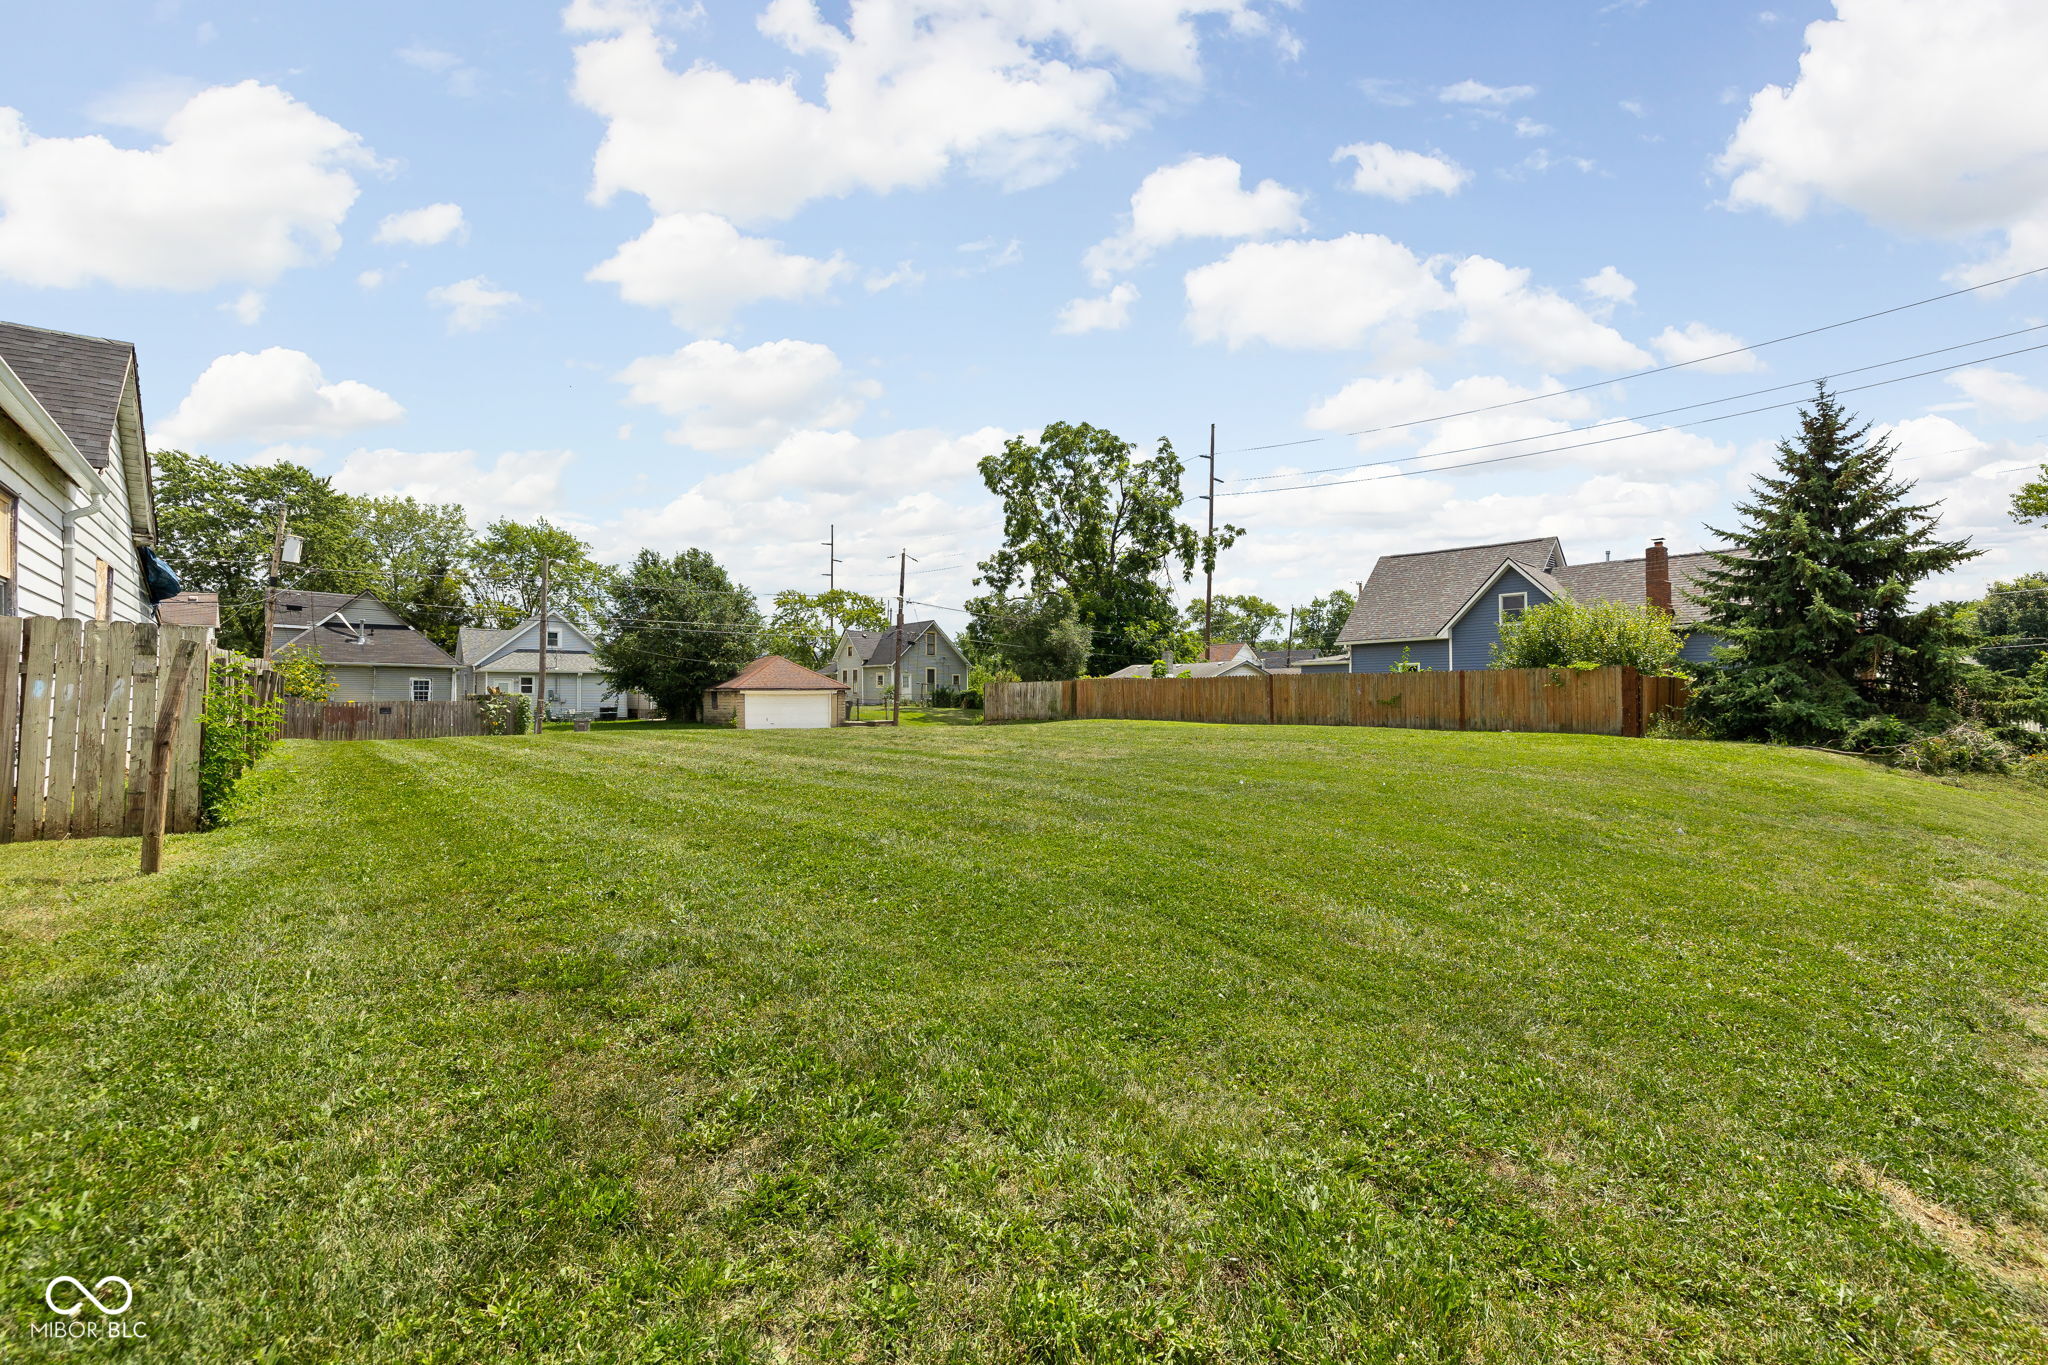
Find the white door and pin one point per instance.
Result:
(789, 710)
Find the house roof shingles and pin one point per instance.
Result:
(773, 673)
(1621, 580)
(79, 381)
(341, 645)
(190, 609)
(1414, 596)
(472, 643)
(879, 646)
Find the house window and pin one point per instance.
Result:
(849, 651)
(554, 639)
(102, 590)
(956, 680)
(422, 689)
(526, 687)
(1513, 604)
(931, 644)
(931, 677)
(10, 515)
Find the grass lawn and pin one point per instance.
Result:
(1096, 1041)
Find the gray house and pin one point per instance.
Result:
(864, 659)
(375, 655)
(1442, 609)
(509, 661)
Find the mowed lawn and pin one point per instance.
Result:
(1094, 1041)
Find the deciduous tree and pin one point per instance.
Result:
(673, 626)
(804, 626)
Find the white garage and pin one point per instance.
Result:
(774, 693)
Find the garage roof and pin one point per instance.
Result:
(773, 673)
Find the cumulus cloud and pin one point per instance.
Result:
(2002, 394)
(1610, 286)
(1929, 119)
(516, 484)
(1398, 175)
(1696, 341)
(729, 399)
(908, 91)
(272, 395)
(460, 77)
(1327, 294)
(244, 184)
(473, 304)
(1534, 324)
(1485, 96)
(1111, 312)
(1200, 197)
(701, 268)
(1385, 410)
(428, 226)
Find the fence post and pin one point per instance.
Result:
(1631, 702)
(157, 803)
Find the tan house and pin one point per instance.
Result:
(774, 693)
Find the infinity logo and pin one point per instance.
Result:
(90, 1296)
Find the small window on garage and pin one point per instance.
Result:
(422, 689)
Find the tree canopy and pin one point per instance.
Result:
(1236, 617)
(1563, 633)
(1815, 602)
(1040, 639)
(1322, 620)
(2012, 612)
(674, 625)
(804, 626)
(505, 562)
(2030, 503)
(1085, 519)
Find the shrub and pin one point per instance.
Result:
(1567, 634)
(1962, 748)
(304, 675)
(235, 730)
(505, 713)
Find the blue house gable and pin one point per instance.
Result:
(1443, 609)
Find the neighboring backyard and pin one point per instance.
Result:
(1094, 1041)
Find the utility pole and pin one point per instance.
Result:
(832, 562)
(270, 584)
(1209, 552)
(1290, 637)
(540, 701)
(896, 669)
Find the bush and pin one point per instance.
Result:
(505, 713)
(235, 730)
(1962, 748)
(1568, 634)
(304, 675)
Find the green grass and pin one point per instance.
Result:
(1097, 1041)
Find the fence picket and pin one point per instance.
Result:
(10, 717)
(338, 720)
(113, 780)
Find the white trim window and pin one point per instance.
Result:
(422, 689)
(526, 687)
(1513, 604)
(554, 639)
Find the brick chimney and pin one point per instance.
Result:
(1657, 575)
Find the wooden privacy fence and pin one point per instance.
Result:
(381, 719)
(1601, 701)
(78, 716)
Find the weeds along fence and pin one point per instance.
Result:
(382, 719)
(1601, 701)
(79, 711)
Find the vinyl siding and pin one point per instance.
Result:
(1700, 647)
(44, 494)
(1430, 654)
(390, 682)
(869, 679)
(1474, 634)
(578, 691)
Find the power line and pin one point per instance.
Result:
(1609, 440)
(1658, 369)
(1646, 416)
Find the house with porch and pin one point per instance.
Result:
(374, 654)
(1443, 609)
(928, 660)
(76, 508)
(509, 661)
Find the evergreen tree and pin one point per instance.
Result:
(1813, 603)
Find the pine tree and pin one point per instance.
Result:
(1814, 603)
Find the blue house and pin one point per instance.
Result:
(1442, 609)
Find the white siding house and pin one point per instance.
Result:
(75, 501)
(509, 661)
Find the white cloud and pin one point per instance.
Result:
(145, 104)
(701, 268)
(1929, 119)
(272, 395)
(1199, 197)
(2002, 394)
(1382, 407)
(1537, 325)
(1610, 285)
(908, 90)
(1111, 312)
(1486, 96)
(1696, 340)
(461, 78)
(244, 184)
(473, 304)
(730, 399)
(370, 279)
(517, 484)
(1399, 175)
(246, 307)
(1328, 294)
(428, 226)
(1528, 127)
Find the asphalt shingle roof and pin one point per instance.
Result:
(78, 380)
(338, 644)
(473, 642)
(190, 609)
(773, 673)
(1621, 580)
(1413, 596)
(1203, 669)
(879, 646)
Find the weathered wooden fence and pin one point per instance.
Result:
(381, 719)
(79, 707)
(1602, 701)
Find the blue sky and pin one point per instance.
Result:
(724, 275)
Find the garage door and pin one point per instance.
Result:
(789, 710)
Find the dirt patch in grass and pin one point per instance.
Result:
(2011, 1253)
